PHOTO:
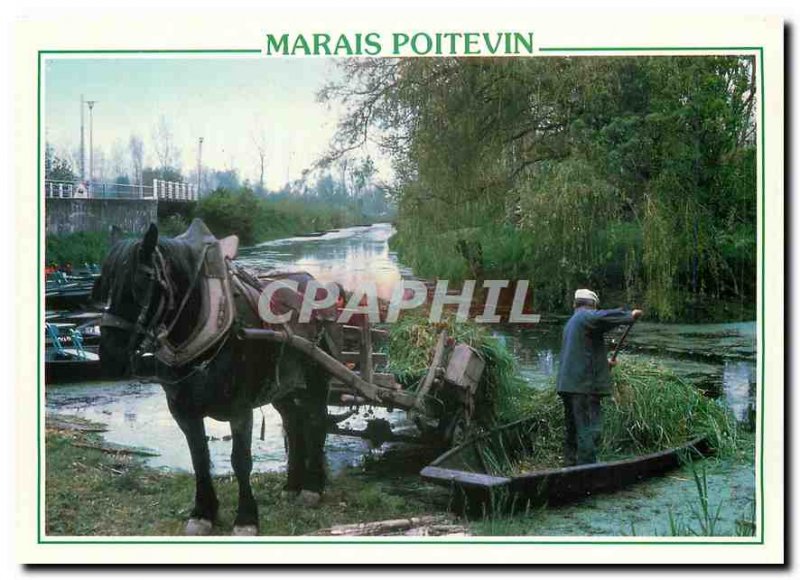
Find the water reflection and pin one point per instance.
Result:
(137, 416)
(739, 380)
(350, 257)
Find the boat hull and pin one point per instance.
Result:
(474, 489)
(73, 369)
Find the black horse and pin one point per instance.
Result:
(149, 286)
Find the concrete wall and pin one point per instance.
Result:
(64, 216)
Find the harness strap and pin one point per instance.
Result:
(188, 293)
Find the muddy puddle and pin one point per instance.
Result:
(136, 415)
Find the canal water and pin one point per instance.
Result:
(719, 358)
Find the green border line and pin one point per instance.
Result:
(159, 51)
(649, 48)
(763, 333)
(38, 298)
(40, 540)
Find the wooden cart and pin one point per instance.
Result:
(442, 404)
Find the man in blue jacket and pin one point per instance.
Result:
(583, 374)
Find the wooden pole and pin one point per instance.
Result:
(435, 362)
(335, 368)
(621, 340)
(366, 349)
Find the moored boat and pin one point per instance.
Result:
(67, 365)
(67, 357)
(471, 471)
(68, 297)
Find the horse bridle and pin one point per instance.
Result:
(148, 332)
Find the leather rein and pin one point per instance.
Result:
(148, 334)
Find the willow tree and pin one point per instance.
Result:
(632, 174)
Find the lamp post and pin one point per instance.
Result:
(199, 164)
(91, 105)
(83, 147)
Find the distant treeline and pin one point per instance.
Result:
(635, 176)
(252, 217)
(257, 218)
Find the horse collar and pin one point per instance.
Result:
(217, 309)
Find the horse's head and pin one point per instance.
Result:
(132, 288)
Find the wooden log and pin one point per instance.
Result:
(392, 527)
(114, 449)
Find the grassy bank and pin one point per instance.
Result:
(92, 492)
(77, 249)
(257, 219)
(507, 253)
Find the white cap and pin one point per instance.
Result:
(584, 294)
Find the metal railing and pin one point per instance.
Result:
(165, 190)
(174, 191)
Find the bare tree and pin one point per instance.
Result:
(117, 166)
(136, 148)
(163, 143)
(343, 166)
(260, 143)
(100, 165)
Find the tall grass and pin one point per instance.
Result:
(706, 519)
(651, 409)
(77, 248)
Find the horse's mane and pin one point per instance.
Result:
(123, 258)
(122, 255)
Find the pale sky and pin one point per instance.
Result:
(226, 100)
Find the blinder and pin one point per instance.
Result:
(145, 326)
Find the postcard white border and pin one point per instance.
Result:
(183, 30)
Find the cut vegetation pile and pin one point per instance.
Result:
(651, 409)
(410, 346)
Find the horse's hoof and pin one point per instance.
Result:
(198, 527)
(248, 530)
(309, 498)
